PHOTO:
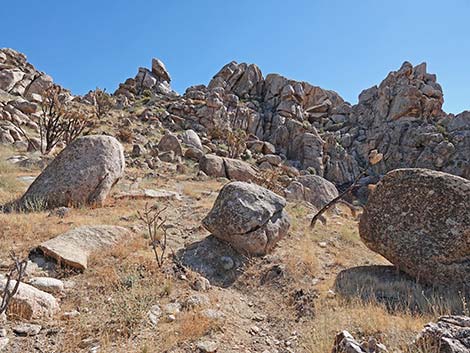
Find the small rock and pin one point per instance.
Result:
(172, 308)
(330, 294)
(60, 212)
(201, 284)
(3, 343)
(154, 314)
(207, 346)
(71, 314)
(47, 284)
(27, 329)
(227, 262)
(255, 330)
(171, 318)
(196, 300)
(212, 314)
(3, 332)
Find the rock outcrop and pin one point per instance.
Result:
(157, 80)
(401, 119)
(82, 174)
(21, 90)
(249, 217)
(419, 220)
(450, 334)
(229, 168)
(345, 343)
(312, 188)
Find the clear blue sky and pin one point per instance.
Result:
(344, 45)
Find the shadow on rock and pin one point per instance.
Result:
(214, 259)
(398, 291)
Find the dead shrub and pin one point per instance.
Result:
(125, 135)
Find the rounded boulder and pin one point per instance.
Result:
(82, 174)
(419, 220)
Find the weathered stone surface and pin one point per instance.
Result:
(450, 334)
(170, 142)
(159, 69)
(47, 284)
(345, 343)
(213, 165)
(272, 159)
(25, 329)
(239, 170)
(233, 169)
(4, 343)
(73, 248)
(249, 217)
(82, 174)
(194, 153)
(313, 189)
(149, 194)
(420, 221)
(191, 138)
(30, 303)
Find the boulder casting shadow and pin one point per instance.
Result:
(398, 291)
(214, 259)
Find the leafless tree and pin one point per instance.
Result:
(59, 121)
(152, 218)
(102, 101)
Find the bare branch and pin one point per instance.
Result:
(16, 274)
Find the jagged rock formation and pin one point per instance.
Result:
(450, 334)
(146, 81)
(274, 109)
(21, 89)
(309, 127)
(402, 119)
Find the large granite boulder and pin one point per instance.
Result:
(82, 174)
(311, 188)
(419, 220)
(249, 217)
(169, 142)
(191, 139)
(229, 168)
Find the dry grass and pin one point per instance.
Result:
(362, 320)
(10, 186)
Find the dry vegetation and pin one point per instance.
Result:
(114, 295)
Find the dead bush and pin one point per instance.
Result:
(125, 135)
(9, 290)
(102, 102)
(151, 217)
(59, 120)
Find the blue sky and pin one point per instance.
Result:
(344, 45)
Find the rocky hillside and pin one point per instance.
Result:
(309, 127)
(256, 215)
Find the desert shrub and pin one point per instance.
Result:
(273, 179)
(156, 231)
(125, 135)
(102, 102)
(59, 120)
